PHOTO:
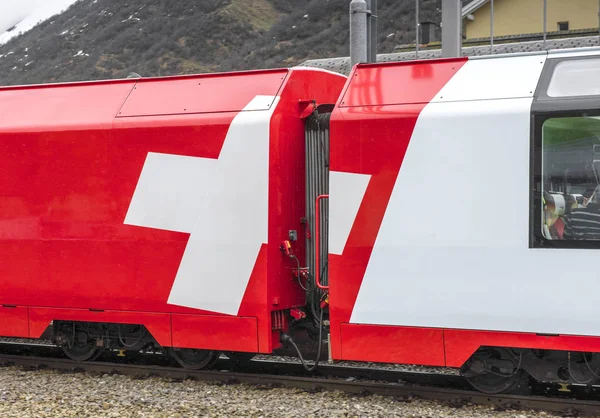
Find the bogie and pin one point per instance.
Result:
(505, 370)
(84, 341)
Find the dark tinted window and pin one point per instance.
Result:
(570, 178)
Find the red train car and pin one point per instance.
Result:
(441, 213)
(152, 210)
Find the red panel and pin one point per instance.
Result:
(67, 175)
(63, 206)
(373, 140)
(461, 344)
(207, 93)
(85, 106)
(159, 325)
(399, 83)
(392, 344)
(442, 347)
(254, 303)
(214, 332)
(14, 321)
(286, 188)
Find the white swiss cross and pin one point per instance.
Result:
(222, 203)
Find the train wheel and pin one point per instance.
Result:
(193, 359)
(82, 351)
(495, 371)
(494, 384)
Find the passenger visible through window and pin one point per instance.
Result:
(571, 178)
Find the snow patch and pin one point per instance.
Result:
(132, 17)
(27, 14)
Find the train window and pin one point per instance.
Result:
(570, 178)
(575, 78)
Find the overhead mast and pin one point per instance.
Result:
(363, 31)
(451, 28)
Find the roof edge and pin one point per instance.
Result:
(473, 7)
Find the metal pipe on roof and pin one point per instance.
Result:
(545, 13)
(451, 28)
(417, 37)
(373, 19)
(368, 30)
(358, 32)
(492, 27)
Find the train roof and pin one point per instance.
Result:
(577, 45)
(148, 79)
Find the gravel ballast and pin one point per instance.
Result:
(48, 393)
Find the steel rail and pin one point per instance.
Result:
(452, 396)
(271, 366)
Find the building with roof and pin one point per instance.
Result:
(521, 17)
(516, 31)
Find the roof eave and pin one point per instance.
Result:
(473, 7)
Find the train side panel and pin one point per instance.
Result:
(439, 256)
(53, 166)
(150, 202)
(368, 143)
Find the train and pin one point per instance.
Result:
(439, 212)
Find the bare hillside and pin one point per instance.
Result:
(103, 39)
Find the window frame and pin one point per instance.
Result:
(541, 92)
(543, 108)
(566, 22)
(536, 238)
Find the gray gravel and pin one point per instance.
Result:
(46, 393)
(49, 393)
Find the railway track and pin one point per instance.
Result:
(356, 381)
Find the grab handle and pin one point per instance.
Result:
(317, 241)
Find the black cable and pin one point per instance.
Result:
(299, 275)
(286, 338)
(315, 301)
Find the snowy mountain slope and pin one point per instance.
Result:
(20, 16)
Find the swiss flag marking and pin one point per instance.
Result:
(222, 203)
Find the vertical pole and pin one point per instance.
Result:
(492, 27)
(358, 32)
(368, 30)
(373, 19)
(545, 13)
(451, 28)
(599, 22)
(417, 37)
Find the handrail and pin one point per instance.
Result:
(317, 240)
